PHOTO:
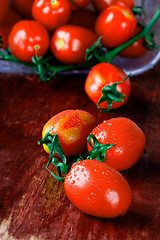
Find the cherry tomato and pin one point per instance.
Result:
(100, 5)
(104, 74)
(116, 25)
(81, 3)
(97, 189)
(83, 17)
(69, 43)
(24, 7)
(6, 25)
(135, 50)
(26, 38)
(128, 137)
(52, 14)
(4, 8)
(72, 127)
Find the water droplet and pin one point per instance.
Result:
(73, 182)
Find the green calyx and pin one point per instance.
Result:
(98, 152)
(110, 95)
(54, 146)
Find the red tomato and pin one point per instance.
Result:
(135, 50)
(69, 43)
(24, 7)
(27, 37)
(72, 127)
(6, 25)
(97, 189)
(52, 14)
(100, 5)
(104, 74)
(83, 17)
(116, 25)
(81, 3)
(4, 8)
(128, 137)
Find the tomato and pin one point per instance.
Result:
(81, 3)
(24, 7)
(106, 74)
(4, 8)
(97, 189)
(27, 37)
(116, 25)
(128, 137)
(135, 50)
(83, 17)
(52, 14)
(6, 25)
(69, 43)
(72, 127)
(100, 5)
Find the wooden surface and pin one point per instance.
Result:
(32, 204)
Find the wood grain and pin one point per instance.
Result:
(33, 205)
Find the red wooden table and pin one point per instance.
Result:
(33, 205)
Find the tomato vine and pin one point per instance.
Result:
(95, 54)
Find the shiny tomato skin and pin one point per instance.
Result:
(6, 25)
(97, 189)
(116, 25)
(128, 137)
(25, 37)
(135, 50)
(24, 7)
(52, 14)
(100, 5)
(69, 43)
(106, 74)
(4, 8)
(72, 127)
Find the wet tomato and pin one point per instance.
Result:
(72, 127)
(128, 137)
(52, 14)
(116, 25)
(99, 80)
(69, 43)
(135, 50)
(97, 189)
(4, 8)
(26, 38)
(100, 5)
(24, 7)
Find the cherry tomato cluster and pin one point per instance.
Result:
(76, 37)
(67, 27)
(93, 182)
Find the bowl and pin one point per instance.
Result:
(130, 66)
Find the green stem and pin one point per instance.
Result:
(6, 57)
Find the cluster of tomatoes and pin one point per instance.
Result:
(93, 183)
(67, 28)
